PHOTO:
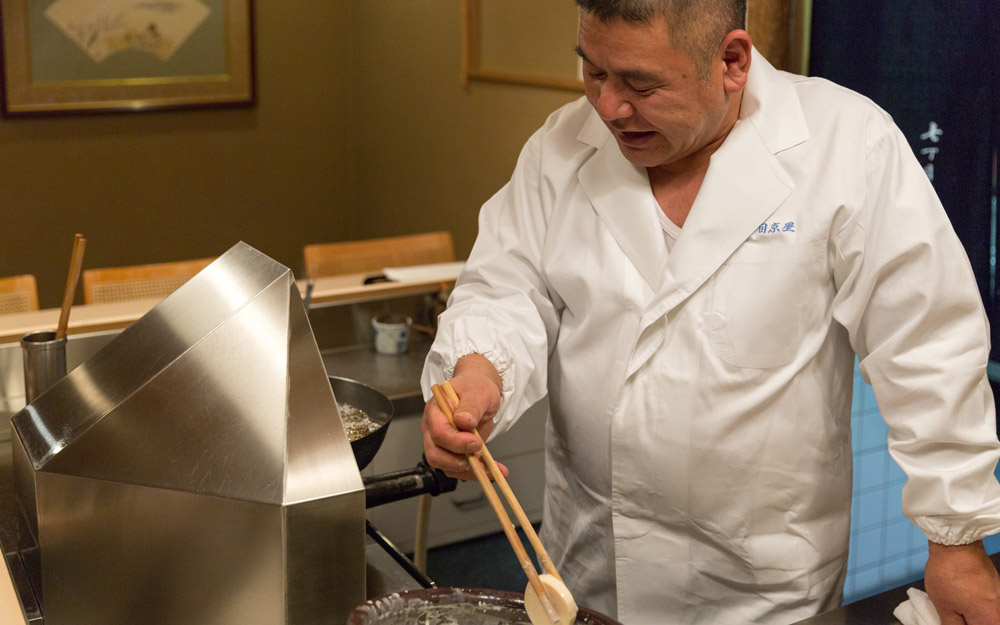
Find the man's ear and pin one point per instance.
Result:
(735, 50)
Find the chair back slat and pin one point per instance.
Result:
(158, 280)
(333, 259)
(18, 294)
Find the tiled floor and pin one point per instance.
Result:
(487, 562)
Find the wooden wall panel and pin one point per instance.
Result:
(780, 30)
(767, 23)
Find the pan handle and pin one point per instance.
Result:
(389, 487)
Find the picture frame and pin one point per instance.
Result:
(473, 21)
(96, 56)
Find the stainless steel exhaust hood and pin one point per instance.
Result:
(195, 470)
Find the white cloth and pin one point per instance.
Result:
(698, 456)
(671, 231)
(432, 271)
(917, 610)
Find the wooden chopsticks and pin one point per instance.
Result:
(75, 264)
(444, 394)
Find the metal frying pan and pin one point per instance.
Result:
(378, 407)
(472, 606)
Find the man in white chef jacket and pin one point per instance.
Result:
(686, 261)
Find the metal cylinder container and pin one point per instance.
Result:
(44, 358)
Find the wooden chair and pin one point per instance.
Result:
(334, 259)
(118, 284)
(18, 294)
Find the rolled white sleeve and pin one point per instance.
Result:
(500, 307)
(909, 300)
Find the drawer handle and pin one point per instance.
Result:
(474, 503)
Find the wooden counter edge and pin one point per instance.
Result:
(327, 291)
(10, 606)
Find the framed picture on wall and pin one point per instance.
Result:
(520, 42)
(91, 56)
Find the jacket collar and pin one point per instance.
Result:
(772, 105)
(744, 184)
(619, 191)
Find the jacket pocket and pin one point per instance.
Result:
(764, 300)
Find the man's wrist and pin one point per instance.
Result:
(934, 548)
(477, 364)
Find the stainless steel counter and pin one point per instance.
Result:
(387, 570)
(395, 376)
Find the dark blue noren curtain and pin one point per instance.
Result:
(934, 65)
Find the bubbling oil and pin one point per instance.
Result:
(394, 610)
(357, 422)
(453, 615)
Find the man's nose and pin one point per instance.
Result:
(611, 104)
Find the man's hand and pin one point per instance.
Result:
(478, 387)
(963, 584)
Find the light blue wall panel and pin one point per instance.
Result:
(886, 549)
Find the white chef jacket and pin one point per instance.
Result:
(698, 455)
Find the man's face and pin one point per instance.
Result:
(649, 93)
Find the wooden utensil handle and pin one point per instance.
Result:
(508, 527)
(75, 264)
(508, 493)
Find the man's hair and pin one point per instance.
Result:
(695, 26)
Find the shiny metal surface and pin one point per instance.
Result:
(44, 358)
(195, 469)
(79, 349)
(12, 378)
(386, 569)
(397, 376)
(153, 555)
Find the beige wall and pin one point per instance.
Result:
(431, 151)
(361, 129)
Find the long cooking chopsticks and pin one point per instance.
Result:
(445, 393)
(75, 264)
